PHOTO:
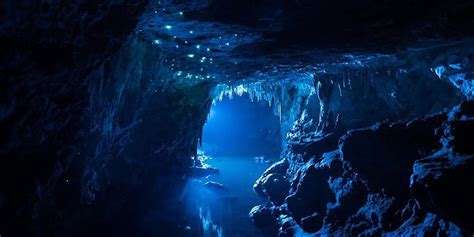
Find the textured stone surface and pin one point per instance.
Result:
(49, 50)
(403, 178)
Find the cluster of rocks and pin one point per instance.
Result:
(394, 178)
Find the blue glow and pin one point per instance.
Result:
(242, 127)
(168, 27)
(190, 55)
(225, 213)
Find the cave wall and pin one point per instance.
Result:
(88, 102)
(135, 135)
(340, 178)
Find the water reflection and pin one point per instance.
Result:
(223, 211)
(209, 228)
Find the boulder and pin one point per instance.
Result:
(263, 185)
(262, 216)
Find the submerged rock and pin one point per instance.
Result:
(202, 171)
(215, 186)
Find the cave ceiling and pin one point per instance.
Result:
(248, 40)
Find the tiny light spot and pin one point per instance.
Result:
(190, 55)
(168, 27)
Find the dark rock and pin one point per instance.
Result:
(276, 187)
(202, 171)
(461, 131)
(315, 147)
(279, 169)
(441, 184)
(463, 111)
(262, 216)
(428, 225)
(351, 194)
(52, 54)
(329, 195)
(215, 186)
(325, 193)
(374, 215)
(312, 223)
(385, 153)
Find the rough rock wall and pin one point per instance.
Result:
(359, 183)
(378, 182)
(49, 49)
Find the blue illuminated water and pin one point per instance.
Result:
(225, 212)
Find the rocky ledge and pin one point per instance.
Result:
(394, 178)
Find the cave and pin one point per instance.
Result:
(236, 118)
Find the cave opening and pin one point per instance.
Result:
(242, 127)
(241, 139)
